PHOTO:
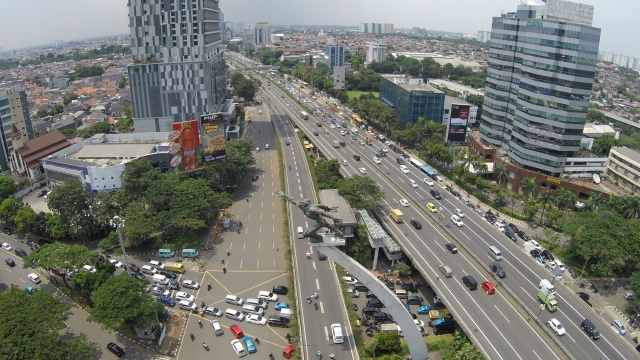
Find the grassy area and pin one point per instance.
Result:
(356, 94)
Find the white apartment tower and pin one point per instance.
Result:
(376, 51)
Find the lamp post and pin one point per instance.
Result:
(585, 266)
(118, 223)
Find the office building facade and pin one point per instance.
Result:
(541, 69)
(179, 71)
(411, 99)
(261, 35)
(335, 54)
(376, 28)
(376, 51)
(16, 127)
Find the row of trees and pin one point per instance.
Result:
(243, 86)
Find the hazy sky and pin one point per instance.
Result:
(32, 22)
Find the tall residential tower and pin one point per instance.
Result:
(541, 69)
(179, 72)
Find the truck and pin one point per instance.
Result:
(336, 143)
(546, 285)
(388, 328)
(285, 313)
(396, 215)
(548, 299)
(176, 267)
(440, 314)
(528, 247)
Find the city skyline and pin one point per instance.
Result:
(67, 20)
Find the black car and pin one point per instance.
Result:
(452, 248)
(534, 253)
(20, 252)
(547, 255)
(42, 193)
(410, 286)
(254, 178)
(375, 303)
(321, 256)
(115, 349)
(168, 273)
(137, 274)
(455, 194)
(371, 295)
(287, 142)
(400, 161)
(513, 227)
(511, 235)
(7, 231)
(319, 124)
(280, 289)
(389, 284)
(315, 133)
(134, 267)
(583, 295)
(360, 286)
(523, 235)
(10, 262)
(356, 157)
(497, 269)
(416, 224)
(42, 242)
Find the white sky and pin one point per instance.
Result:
(33, 22)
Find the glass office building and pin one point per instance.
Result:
(411, 99)
(541, 69)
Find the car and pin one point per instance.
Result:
(583, 295)
(349, 280)
(497, 269)
(400, 161)
(287, 142)
(88, 268)
(168, 273)
(559, 264)
(266, 146)
(211, 310)
(423, 310)
(115, 349)
(547, 255)
(6, 246)
(256, 319)
(459, 212)
(403, 202)
(47, 194)
(534, 253)
(321, 256)
(134, 267)
(377, 160)
(280, 289)
(34, 278)
(248, 342)
(10, 262)
(524, 235)
(418, 322)
(535, 244)
(116, 263)
(7, 231)
(363, 171)
(353, 293)
(181, 295)
(371, 295)
(137, 274)
(456, 220)
(385, 150)
(319, 124)
(619, 327)
(451, 247)
(167, 300)
(281, 305)
(500, 226)
(160, 290)
(360, 286)
(238, 348)
(511, 235)
(431, 208)
(456, 194)
(42, 193)
(315, 133)
(556, 326)
(488, 287)
(254, 178)
(629, 296)
(411, 286)
(513, 227)
(416, 224)
(428, 181)
(190, 284)
(236, 331)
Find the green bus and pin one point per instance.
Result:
(304, 115)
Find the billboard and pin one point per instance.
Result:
(186, 139)
(213, 141)
(457, 126)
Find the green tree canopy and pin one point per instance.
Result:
(361, 192)
(7, 186)
(72, 203)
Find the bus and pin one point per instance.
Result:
(304, 115)
(415, 162)
(432, 174)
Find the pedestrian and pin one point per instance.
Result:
(224, 270)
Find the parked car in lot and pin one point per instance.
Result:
(236, 331)
(115, 349)
(10, 262)
(211, 310)
(190, 284)
(181, 295)
(280, 289)
(256, 319)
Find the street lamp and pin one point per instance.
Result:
(118, 223)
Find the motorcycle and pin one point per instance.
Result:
(593, 288)
(192, 337)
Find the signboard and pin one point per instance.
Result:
(213, 141)
(457, 126)
(187, 136)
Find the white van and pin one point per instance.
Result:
(336, 332)
(160, 279)
(234, 314)
(300, 232)
(252, 309)
(495, 253)
(147, 269)
(257, 302)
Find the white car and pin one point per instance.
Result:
(438, 178)
(403, 202)
(499, 226)
(556, 326)
(387, 143)
(459, 213)
(160, 290)
(256, 319)
(212, 310)
(6, 246)
(363, 171)
(413, 183)
(267, 296)
(535, 244)
(181, 295)
(384, 149)
(456, 220)
(404, 169)
(619, 327)
(116, 263)
(559, 264)
(377, 160)
(35, 278)
(238, 348)
(428, 181)
(88, 268)
(349, 280)
(418, 322)
(333, 126)
(190, 284)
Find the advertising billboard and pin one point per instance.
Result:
(213, 141)
(186, 139)
(457, 126)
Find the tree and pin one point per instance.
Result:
(61, 256)
(528, 189)
(137, 176)
(630, 207)
(565, 199)
(358, 248)
(8, 210)
(24, 218)
(7, 187)
(122, 304)
(603, 144)
(501, 174)
(72, 203)
(29, 334)
(361, 192)
(544, 197)
(594, 115)
(384, 343)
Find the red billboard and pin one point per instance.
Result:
(186, 135)
(457, 126)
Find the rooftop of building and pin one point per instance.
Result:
(410, 84)
(331, 197)
(632, 154)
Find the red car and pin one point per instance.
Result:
(488, 287)
(236, 331)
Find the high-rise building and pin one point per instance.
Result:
(484, 36)
(16, 127)
(411, 99)
(376, 28)
(541, 69)
(179, 72)
(262, 34)
(376, 51)
(335, 53)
